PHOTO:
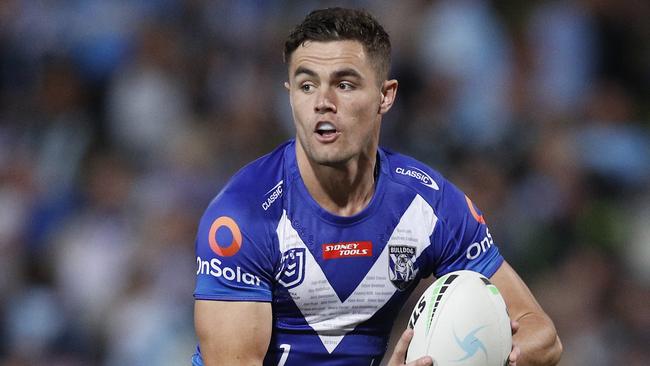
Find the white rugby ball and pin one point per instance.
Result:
(461, 320)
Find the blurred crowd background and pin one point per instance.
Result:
(120, 120)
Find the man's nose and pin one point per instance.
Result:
(326, 101)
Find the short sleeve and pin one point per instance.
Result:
(464, 240)
(233, 254)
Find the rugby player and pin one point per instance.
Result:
(308, 253)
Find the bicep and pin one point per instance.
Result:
(233, 332)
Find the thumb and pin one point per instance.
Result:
(399, 354)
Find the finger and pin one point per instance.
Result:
(422, 361)
(514, 326)
(514, 355)
(399, 353)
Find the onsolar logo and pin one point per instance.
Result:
(476, 249)
(229, 249)
(214, 268)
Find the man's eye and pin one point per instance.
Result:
(306, 88)
(346, 86)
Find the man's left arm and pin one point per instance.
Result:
(536, 336)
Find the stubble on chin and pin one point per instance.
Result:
(334, 154)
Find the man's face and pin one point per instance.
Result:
(336, 100)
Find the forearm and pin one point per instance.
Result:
(537, 340)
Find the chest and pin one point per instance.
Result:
(355, 269)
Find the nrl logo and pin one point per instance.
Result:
(292, 268)
(401, 265)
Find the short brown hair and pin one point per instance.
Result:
(339, 24)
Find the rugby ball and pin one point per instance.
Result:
(461, 320)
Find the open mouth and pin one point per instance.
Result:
(325, 129)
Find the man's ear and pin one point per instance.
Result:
(287, 86)
(388, 94)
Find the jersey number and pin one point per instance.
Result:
(285, 354)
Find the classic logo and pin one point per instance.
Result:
(347, 249)
(272, 195)
(292, 268)
(418, 174)
(470, 344)
(235, 244)
(401, 265)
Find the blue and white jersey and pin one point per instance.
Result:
(335, 283)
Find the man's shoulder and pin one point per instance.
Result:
(443, 195)
(252, 191)
(260, 175)
(413, 173)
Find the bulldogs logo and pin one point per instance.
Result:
(292, 270)
(401, 265)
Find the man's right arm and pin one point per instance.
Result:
(233, 332)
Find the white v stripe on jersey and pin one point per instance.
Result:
(321, 307)
(334, 306)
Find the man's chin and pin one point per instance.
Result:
(330, 159)
(328, 155)
(331, 162)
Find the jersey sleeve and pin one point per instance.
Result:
(464, 240)
(233, 253)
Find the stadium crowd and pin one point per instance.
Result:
(120, 120)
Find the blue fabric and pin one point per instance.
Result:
(336, 283)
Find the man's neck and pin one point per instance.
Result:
(342, 190)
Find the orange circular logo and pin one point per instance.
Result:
(233, 247)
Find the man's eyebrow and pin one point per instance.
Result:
(339, 74)
(304, 70)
